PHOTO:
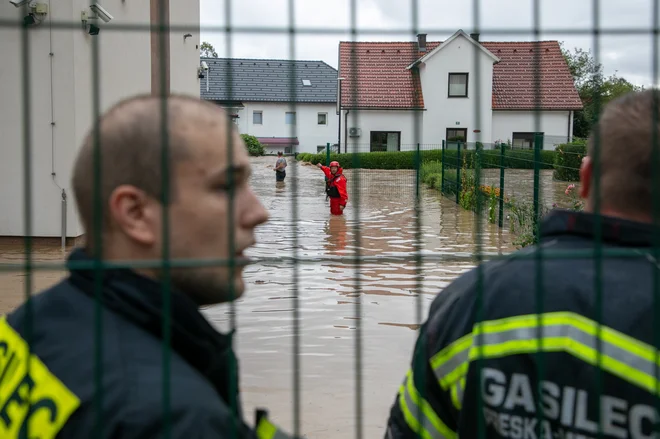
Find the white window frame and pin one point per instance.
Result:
(326, 118)
(261, 113)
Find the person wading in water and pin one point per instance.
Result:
(335, 187)
(280, 165)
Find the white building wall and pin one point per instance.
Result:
(557, 126)
(384, 120)
(184, 54)
(443, 112)
(124, 69)
(310, 134)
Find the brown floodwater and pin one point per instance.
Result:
(407, 261)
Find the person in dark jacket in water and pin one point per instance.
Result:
(99, 364)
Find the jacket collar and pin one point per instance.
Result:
(615, 231)
(140, 300)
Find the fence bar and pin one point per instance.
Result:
(442, 172)
(27, 201)
(500, 221)
(538, 144)
(458, 172)
(655, 159)
(327, 154)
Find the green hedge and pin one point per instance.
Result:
(568, 158)
(254, 147)
(373, 160)
(515, 159)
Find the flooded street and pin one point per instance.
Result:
(380, 225)
(328, 288)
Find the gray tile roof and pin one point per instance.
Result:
(269, 80)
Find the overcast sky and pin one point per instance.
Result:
(628, 54)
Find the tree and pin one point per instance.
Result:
(594, 88)
(206, 50)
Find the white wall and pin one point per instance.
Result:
(383, 120)
(184, 55)
(443, 112)
(124, 69)
(310, 134)
(553, 124)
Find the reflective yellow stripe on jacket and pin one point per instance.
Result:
(33, 401)
(418, 413)
(621, 355)
(268, 430)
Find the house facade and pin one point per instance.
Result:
(395, 95)
(62, 95)
(290, 106)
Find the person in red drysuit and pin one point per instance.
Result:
(335, 187)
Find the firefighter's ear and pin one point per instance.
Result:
(135, 214)
(586, 172)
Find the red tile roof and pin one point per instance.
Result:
(384, 82)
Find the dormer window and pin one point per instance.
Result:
(307, 83)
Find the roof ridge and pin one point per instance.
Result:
(440, 42)
(264, 59)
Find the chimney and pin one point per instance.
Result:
(421, 42)
(475, 37)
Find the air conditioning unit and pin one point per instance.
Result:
(354, 132)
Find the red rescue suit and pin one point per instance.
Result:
(336, 189)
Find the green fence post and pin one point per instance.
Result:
(442, 172)
(327, 154)
(458, 172)
(418, 166)
(538, 145)
(501, 216)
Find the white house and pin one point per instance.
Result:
(60, 84)
(290, 106)
(395, 95)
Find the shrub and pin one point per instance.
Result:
(515, 159)
(568, 158)
(254, 147)
(430, 173)
(376, 160)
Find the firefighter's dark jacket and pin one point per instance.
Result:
(69, 334)
(511, 348)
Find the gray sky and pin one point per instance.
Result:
(629, 55)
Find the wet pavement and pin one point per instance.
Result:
(337, 300)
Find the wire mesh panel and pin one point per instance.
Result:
(380, 299)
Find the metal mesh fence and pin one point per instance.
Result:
(502, 188)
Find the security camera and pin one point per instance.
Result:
(204, 65)
(101, 12)
(19, 3)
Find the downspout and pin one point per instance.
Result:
(346, 131)
(568, 137)
(53, 174)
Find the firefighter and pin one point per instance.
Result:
(145, 322)
(335, 187)
(511, 349)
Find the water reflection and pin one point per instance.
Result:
(336, 231)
